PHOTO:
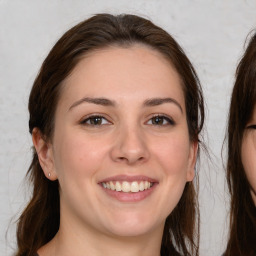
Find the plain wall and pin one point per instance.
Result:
(212, 34)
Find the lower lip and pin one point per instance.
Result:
(130, 196)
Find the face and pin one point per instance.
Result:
(248, 154)
(121, 149)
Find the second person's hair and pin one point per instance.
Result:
(242, 237)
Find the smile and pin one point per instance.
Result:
(126, 186)
(128, 189)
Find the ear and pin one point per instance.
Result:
(45, 154)
(192, 160)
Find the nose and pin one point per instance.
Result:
(130, 147)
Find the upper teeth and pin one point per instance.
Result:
(126, 186)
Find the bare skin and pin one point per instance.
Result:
(248, 154)
(121, 117)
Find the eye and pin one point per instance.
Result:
(253, 126)
(95, 121)
(160, 120)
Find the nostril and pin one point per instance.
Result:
(129, 153)
(130, 160)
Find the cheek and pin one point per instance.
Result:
(173, 159)
(173, 154)
(78, 156)
(249, 160)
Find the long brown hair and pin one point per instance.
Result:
(39, 222)
(242, 237)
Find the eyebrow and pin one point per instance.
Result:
(97, 101)
(106, 102)
(158, 101)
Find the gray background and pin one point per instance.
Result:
(212, 34)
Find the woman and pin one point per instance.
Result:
(241, 166)
(115, 115)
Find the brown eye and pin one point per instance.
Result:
(160, 120)
(95, 121)
(253, 126)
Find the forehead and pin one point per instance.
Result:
(125, 73)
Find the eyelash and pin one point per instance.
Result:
(167, 120)
(253, 126)
(93, 117)
(161, 118)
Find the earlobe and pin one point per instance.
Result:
(192, 161)
(45, 154)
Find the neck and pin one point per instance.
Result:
(68, 243)
(77, 240)
(253, 194)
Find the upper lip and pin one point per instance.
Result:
(129, 178)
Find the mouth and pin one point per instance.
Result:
(126, 186)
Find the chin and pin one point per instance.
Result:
(133, 227)
(130, 231)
